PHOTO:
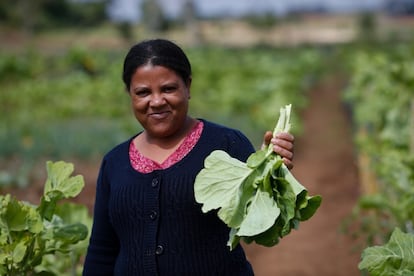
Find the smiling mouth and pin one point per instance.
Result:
(159, 115)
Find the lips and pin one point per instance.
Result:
(160, 115)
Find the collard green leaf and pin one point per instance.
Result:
(57, 173)
(13, 217)
(267, 171)
(313, 204)
(286, 174)
(59, 179)
(261, 215)
(233, 240)
(19, 252)
(18, 216)
(394, 258)
(220, 186)
(260, 200)
(60, 235)
(302, 200)
(59, 185)
(71, 233)
(47, 206)
(269, 238)
(256, 159)
(73, 213)
(286, 199)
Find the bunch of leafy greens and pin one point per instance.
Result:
(260, 200)
(29, 234)
(394, 258)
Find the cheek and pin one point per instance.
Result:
(137, 103)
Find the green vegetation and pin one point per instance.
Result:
(381, 96)
(382, 99)
(48, 238)
(394, 258)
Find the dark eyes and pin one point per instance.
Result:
(141, 93)
(169, 89)
(145, 92)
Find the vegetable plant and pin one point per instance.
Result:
(381, 96)
(31, 237)
(260, 200)
(394, 258)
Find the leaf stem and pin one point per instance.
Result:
(282, 125)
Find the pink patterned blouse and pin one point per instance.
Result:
(145, 165)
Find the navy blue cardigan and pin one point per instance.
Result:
(150, 224)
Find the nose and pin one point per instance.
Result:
(157, 99)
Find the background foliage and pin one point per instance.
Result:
(381, 96)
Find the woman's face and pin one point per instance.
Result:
(159, 99)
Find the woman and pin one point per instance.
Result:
(146, 220)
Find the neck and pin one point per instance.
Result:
(170, 141)
(159, 148)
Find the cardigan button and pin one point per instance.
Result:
(159, 250)
(153, 215)
(154, 182)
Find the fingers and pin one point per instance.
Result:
(285, 142)
(283, 145)
(288, 163)
(267, 137)
(285, 153)
(285, 136)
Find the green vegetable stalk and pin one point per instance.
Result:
(260, 200)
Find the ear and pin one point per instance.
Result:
(188, 84)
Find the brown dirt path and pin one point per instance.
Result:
(325, 164)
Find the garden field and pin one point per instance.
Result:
(353, 122)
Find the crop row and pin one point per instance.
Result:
(382, 98)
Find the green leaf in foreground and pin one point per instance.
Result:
(59, 185)
(262, 214)
(30, 234)
(60, 180)
(260, 200)
(226, 194)
(394, 258)
(18, 216)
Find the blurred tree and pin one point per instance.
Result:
(367, 24)
(125, 30)
(264, 20)
(18, 13)
(45, 14)
(189, 15)
(70, 13)
(153, 17)
(5, 13)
